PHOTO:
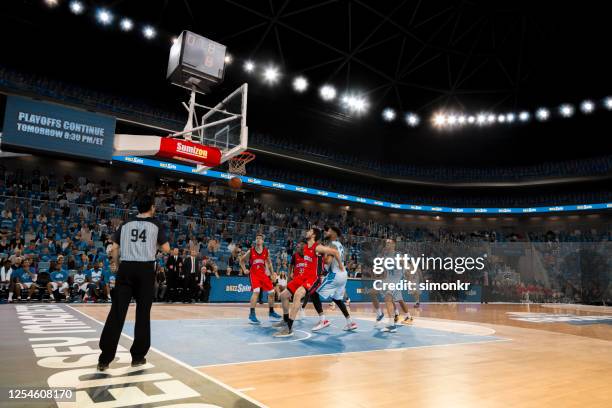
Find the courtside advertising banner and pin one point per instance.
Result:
(48, 127)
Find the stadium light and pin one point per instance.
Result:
(452, 120)
(524, 116)
(249, 66)
(510, 117)
(412, 119)
(471, 119)
(300, 84)
(542, 114)
(566, 110)
(51, 3)
(105, 17)
(388, 114)
(327, 92)
(76, 7)
(126, 24)
(587, 107)
(149, 32)
(501, 118)
(461, 119)
(481, 118)
(271, 75)
(228, 58)
(608, 103)
(173, 40)
(439, 119)
(355, 103)
(491, 118)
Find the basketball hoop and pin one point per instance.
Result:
(237, 164)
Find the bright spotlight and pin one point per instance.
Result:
(355, 104)
(126, 24)
(300, 84)
(388, 114)
(228, 58)
(608, 103)
(327, 92)
(249, 66)
(542, 114)
(173, 40)
(51, 3)
(501, 118)
(510, 117)
(105, 17)
(587, 107)
(149, 32)
(412, 119)
(471, 119)
(452, 119)
(524, 116)
(439, 119)
(271, 75)
(481, 119)
(461, 119)
(491, 118)
(76, 7)
(566, 110)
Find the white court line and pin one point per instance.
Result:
(187, 366)
(308, 335)
(247, 389)
(355, 352)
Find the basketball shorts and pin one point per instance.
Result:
(302, 280)
(396, 295)
(260, 281)
(333, 286)
(25, 285)
(58, 285)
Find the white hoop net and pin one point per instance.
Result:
(237, 164)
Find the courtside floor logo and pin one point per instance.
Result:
(64, 344)
(559, 318)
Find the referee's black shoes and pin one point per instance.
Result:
(138, 363)
(135, 363)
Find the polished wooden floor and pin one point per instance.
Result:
(543, 364)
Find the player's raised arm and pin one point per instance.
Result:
(243, 260)
(322, 249)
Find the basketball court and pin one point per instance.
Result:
(203, 355)
(493, 355)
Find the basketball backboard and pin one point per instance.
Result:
(222, 126)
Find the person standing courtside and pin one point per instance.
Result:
(134, 248)
(191, 268)
(175, 270)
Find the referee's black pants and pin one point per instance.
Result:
(135, 279)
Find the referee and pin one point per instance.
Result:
(138, 240)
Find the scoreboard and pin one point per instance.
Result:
(196, 61)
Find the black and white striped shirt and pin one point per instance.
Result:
(139, 238)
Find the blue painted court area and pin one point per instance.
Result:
(222, 341)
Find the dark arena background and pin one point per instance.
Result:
(448, 162)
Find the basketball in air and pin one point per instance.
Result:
(235, 183)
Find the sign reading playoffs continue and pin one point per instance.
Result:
(49, 127)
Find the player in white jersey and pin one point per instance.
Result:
(79, 282)
(95, 275)
(334, 284)
(392, 296)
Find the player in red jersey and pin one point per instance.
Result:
(303, 280)
(260, 273)
(306, 282)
